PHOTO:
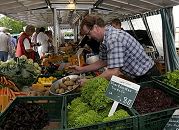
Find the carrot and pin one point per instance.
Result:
(13, 85)
(12, 93)
(4, 91)
(1, 79)
(7, 91)
(5, 80)
(1, 91)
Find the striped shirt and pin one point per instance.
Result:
(123, 51)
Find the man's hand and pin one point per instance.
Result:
(75, 69)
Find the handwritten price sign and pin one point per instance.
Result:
(122, 91)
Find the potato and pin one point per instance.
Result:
(61, 90)
(63, 80)
(62, 85)
(70, 88)
(68, 79)
(57, 90)
(69, 83)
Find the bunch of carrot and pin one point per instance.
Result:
(8, 83)
(7, 91)
(10, 93)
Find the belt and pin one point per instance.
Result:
(147, 76)
(152, 72)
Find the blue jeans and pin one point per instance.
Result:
(3, 56)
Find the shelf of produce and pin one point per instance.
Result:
(166, 83)
(127, 123)
(156, 119)
(52, 105)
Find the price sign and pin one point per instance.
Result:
(173, 123)
(122, 91)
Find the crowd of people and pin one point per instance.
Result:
(32, 42)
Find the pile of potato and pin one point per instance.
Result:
(66, 85)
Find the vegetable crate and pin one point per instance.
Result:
(129, 123)
(157, 120)
(53, 105)
(160, 79)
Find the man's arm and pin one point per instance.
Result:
(108, 73)
(95, 66)
(92, 67)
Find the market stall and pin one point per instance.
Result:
(48, 96)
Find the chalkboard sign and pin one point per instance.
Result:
(122, 91)
(173, 123)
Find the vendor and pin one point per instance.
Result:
(121, 53)
(92, 43)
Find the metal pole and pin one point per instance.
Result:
(89, 10)
(55, 29)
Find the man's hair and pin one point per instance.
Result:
(29, 28)
(42, 29)
(90, 21)
(116, 21)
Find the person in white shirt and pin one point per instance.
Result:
(35, 44)
(5, 44)
(43, 40)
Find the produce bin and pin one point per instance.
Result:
(157, 120)
(129, 123)
(160, 79)
(53, 105)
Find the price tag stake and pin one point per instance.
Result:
(113, 108)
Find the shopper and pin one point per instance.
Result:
(24, 46)
(116, 23)
(35, 44)
(121, 53)
(50, 45)
(5, 44)
(43, 40)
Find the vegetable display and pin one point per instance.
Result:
(92, 106)
(22, 72)
(151, 100)
(172, 78)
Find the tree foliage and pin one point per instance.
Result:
(14, 25)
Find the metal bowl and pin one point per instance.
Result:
(92, 59)
(57, 82)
